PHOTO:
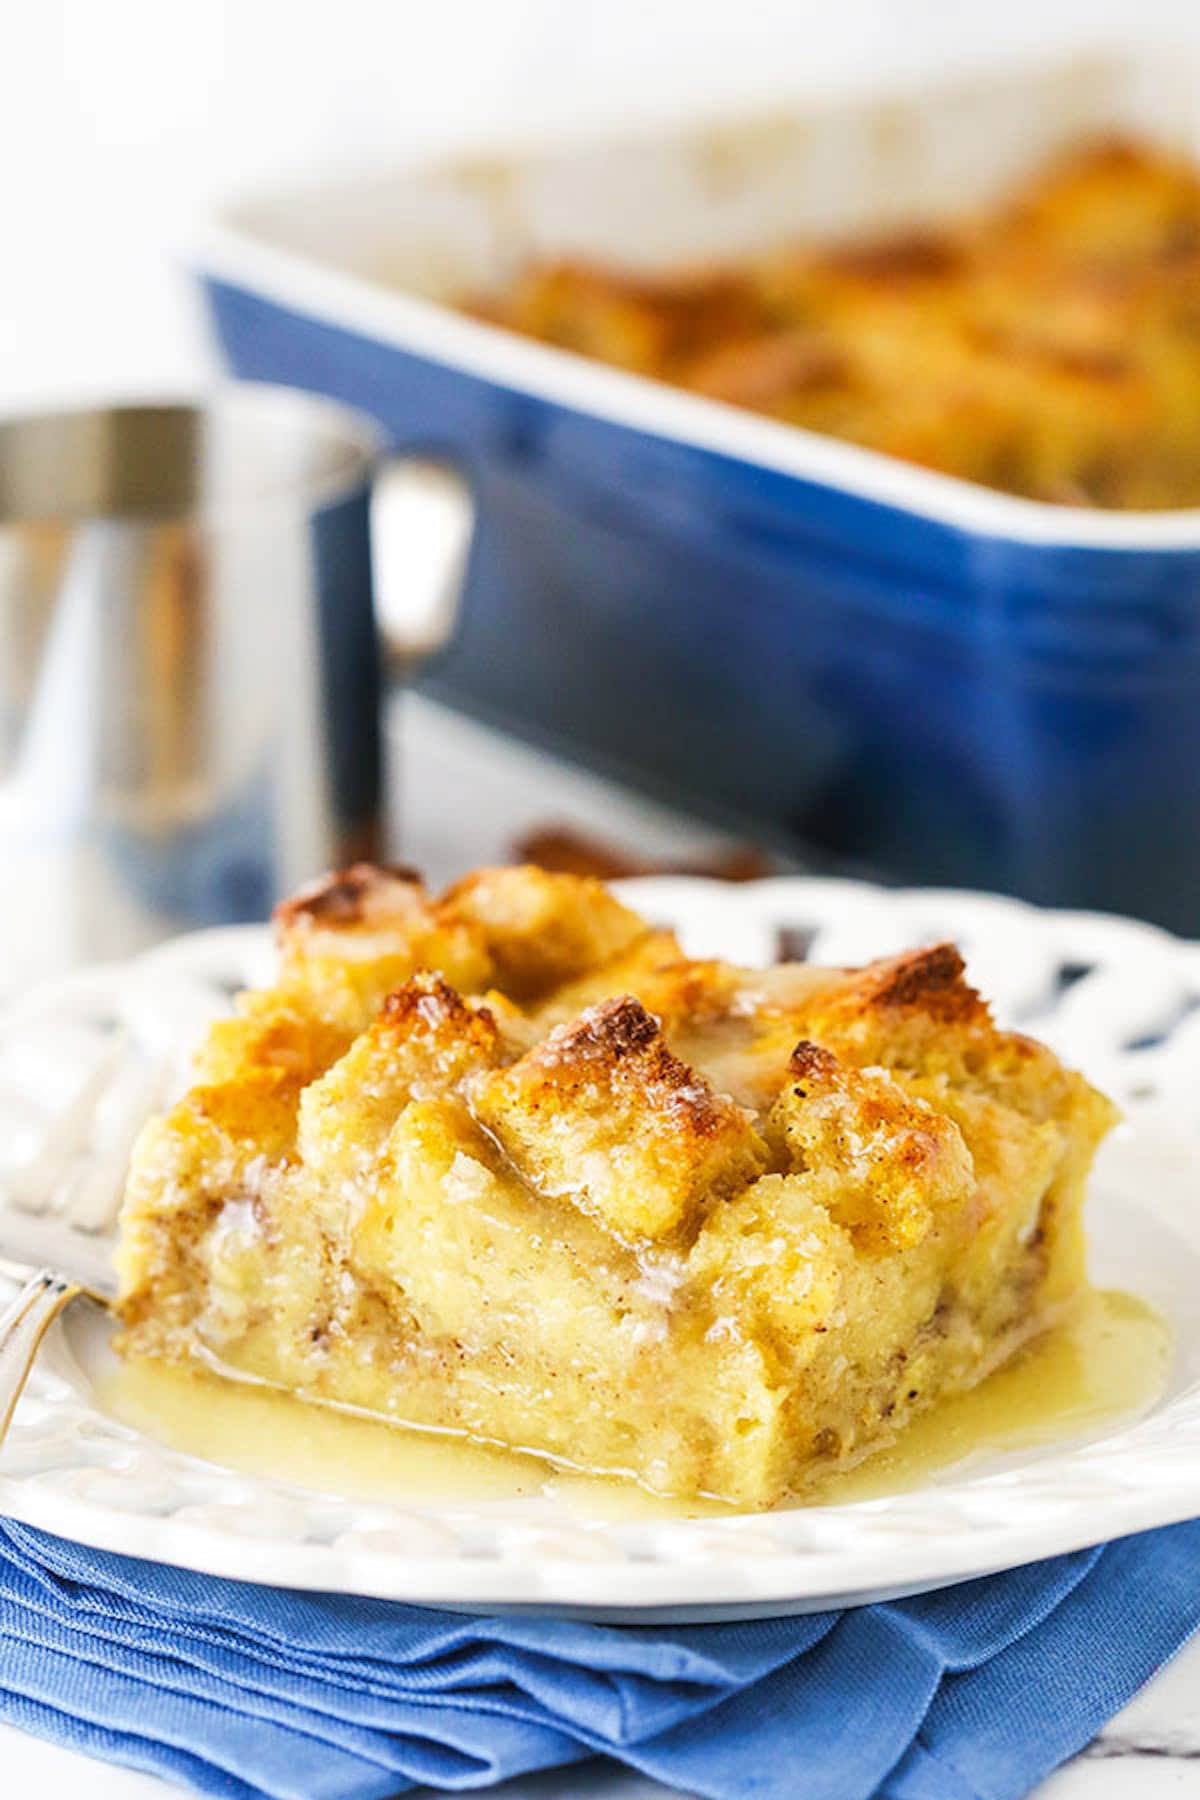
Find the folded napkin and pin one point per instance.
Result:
(973, 1693)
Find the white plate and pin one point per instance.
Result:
(1122, 1000)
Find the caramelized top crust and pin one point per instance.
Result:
(429, 1007)
(425, 1040)
(902, 1009)
(917, 1016)
(933, 980)
(601, 1109)
(347, 941)
(568, 1051)
(615, 1034)
(346, 896)
(540, 929)
(811, 1062)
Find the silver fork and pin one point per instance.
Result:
(55, 1228)
(23, 1325)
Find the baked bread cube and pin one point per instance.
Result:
(601, 1110)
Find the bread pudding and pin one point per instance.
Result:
(506, 1163)
(1048, 345)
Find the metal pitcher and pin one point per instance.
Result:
(191, 657)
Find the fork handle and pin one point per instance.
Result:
(23, 1325)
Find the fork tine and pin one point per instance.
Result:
(23, 1325)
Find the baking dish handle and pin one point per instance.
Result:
(422, 524)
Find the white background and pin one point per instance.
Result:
(123, 122)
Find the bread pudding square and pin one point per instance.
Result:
(506, 1163)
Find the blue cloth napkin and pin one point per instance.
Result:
(973, 1693)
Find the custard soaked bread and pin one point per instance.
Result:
(506, 1163)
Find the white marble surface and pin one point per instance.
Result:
(462, 796)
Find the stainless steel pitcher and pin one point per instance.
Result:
(191, 658)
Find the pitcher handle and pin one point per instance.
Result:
(422, 524)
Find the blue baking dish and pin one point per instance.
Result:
(949, 684)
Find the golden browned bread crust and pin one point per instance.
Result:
(345, 897)
(603, 1110)
(1049, 346)
(504, 1161)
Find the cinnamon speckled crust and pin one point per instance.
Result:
(504, 1161)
